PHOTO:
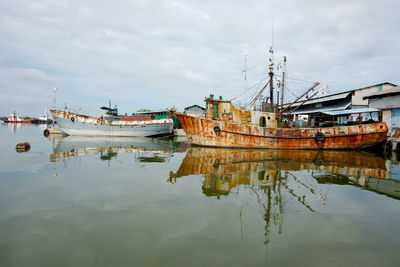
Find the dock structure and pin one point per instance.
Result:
(384, 97)
(309, 110)
(389, 102)
(52, 130)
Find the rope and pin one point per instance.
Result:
(251, 87)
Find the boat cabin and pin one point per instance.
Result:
(154, 115)
(223, 110)
(345, 117)
(109, 111)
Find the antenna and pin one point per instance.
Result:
(54, 97)
(245, 67)
(272, 31)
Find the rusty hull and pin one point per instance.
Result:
(217, 133)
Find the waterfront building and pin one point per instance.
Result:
(309, 110)
(389, 102)
(195, 110)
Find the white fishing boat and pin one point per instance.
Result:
(110, 125)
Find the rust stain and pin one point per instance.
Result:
(226, 126)
(200, 131)
(104, 120)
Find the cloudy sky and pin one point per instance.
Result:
(159, 54)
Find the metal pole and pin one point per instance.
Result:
(283, 81)
(271, 76)
(54, 101)
(315, 85)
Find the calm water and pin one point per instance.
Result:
(158, 202)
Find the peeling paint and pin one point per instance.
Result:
(78, 124)
(244, 131)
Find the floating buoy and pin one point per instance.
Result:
(22, 147)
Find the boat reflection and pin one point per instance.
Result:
(145, 149)
(224, 169)
(13, 127)
(276, 179)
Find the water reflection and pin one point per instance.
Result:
(225, 207)
(225, 169)
(276, 178)
(13, 127)
(144, 149)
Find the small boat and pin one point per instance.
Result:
(15, 118)
(110, 125)
(23, 147)
(44, 119)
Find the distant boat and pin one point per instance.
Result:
(15, 118)
(44, 119)
(110, 125)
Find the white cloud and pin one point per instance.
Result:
(184, 50)
(34, 75)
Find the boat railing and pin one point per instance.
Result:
(264, 107)
(240, 105)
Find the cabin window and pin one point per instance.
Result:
(261, 175)
(215, 111)
(262, 122)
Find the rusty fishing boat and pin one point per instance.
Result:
(111, 124)
(224, 125)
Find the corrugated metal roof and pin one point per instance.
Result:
(316, 110)
(391, 91)
(194, 106)
(151, 112)
(349, 111)
(323, 99)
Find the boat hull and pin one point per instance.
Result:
(215, 133)
(76, 124)
(26, 121)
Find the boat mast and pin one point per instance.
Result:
(54, 102)
(271, 76)
(283, 80)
